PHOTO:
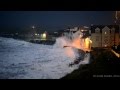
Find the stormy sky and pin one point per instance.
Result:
(54, 19)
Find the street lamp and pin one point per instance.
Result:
(33, 27)
(34, 32)
(116, 18)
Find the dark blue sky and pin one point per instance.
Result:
(54, 19)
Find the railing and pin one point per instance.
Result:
(117, 54)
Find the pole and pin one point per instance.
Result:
(115, 24)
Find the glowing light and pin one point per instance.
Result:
(88, 44)
(84, 44)
(35, 34)
(117, 54)
(73, 45)
(90, 41)
(105, 45)
(81, 36)
(33, 27)
(44, 35)
(105, 32)
(82, 30)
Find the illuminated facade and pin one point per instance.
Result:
(105, 35)
(82, 34)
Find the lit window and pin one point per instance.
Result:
(81, 35)
(82, 30)
(44, 35)
(105, 45)
(36, 34)
(105, 32)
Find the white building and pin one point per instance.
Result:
(105, 35)
(79, 33)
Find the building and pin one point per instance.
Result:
(79, 35)
(105, 35)
(76, 31)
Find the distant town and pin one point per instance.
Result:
(101, 35)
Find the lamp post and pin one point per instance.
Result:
(34, 33)
(116, 18)
(33, 27)
(118, 22)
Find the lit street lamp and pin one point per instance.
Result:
(34, 32)
(33, 27)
